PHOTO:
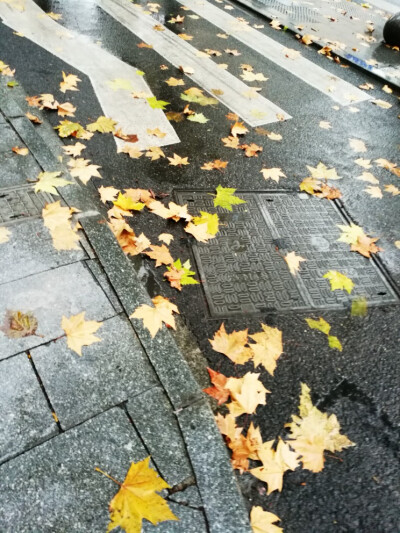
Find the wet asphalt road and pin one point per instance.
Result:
(359, 489)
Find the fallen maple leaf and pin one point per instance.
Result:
(18, 324)
(227, 426)
(176, 20)
(174, 211)
(217, 164)
(339, 281)
(166, 238)
(156, 104)
(252, 76)
(80, 331)
(132, 151)
(74, 149)
(153, 317)
(357, 145)
(80, 168)
(20, 151)
(217, 391)
(198, 117)
(238, 129)
(4, 234)
(102, 125)
(161, 255)
(251, 150)
(267, 348)
(33, 118)
(392, 189)
(325, 125)
(384, 163)
(69, 82)
(185, 36)
(322, 172)
(66, 128)
(293, 261)
(196, 96)
(366, 246)
(313, 432)
(231, 142)
(137, 499)
(291, 53)
(262, 521)
(323, 326)
(48, 181)
(247, 394)
(156, 132)
(226, 198)
(128, 137)
(66, 110)
(319, 188)
(108, 194)
(368, 177)
(365, 163)
(199, 231)
(273, 174)
(233, 345)
(154, 152)
(128, 204)
(179, 274)
(374, 192)
(382, 103)
(212, 221)
(177, 160)
(57, 219)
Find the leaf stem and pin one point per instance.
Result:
(108, 475)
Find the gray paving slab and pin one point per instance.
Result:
(30, 250)
(156, 422)
(67, 290)
(54, 488)
(25, 417)
(95, 267)
(190, 521)
(108, 373)
(223, 503)
(189, 496)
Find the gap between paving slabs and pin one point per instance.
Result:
(223, 502)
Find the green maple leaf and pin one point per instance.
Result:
(186, 278)
(12, 83)
(211, 220)
(120, 83)
(157, 104)
(359, 306)
(225, 198)
(320, 325)
(335, 343)
(339, 281)
(198, 117)
(48, 181)
(199, 99)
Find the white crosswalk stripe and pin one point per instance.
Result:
(339, 90)
(255, 111)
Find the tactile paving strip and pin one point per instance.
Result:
(243, 270)
(21, 203)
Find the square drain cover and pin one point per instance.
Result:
(243, 270)
(22, 202)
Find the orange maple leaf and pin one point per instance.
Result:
(160, 254)
(218, 390)
(238, 129)
(233, 345)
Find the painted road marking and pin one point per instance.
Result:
(255, 111)
(339, 90)
(132, 115)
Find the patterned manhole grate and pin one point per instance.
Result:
(243, 270)
(21, 203)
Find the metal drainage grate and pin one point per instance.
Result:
(243, 270)
(22, 202)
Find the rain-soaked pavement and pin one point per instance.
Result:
(244, 279)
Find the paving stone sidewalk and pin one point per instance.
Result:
(127, 397)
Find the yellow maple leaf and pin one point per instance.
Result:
(322, 172)
(293, 261)
(267, 348)
(339, 281)
(263, 521)
(80, 331)
(177, 160)
(154, 152)
(153, 317)
(313, 432)
(103, 125)
(392, 189)
(81, 169)
(74, 149)
(247, 394)
(174, 82)
(233, 345)
(160, 254)
(128, 204)
(57, 219)
(132, 151)
(48, 181)
(199, 231)
(108, 194)
(4, 234)
(350, 234)
(156, 132)
(69, 82)
(66, 110)
(374, 192)
(137, 499)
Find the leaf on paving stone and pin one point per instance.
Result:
(392, 189)
(33, 118)
(156, 104)
(322, 172)
(17, 324)
(128, 204)
(291, 54)
(198, 117)
(127, 137)
(217, 391)
(176, 116)
(156, 132)
(222, 35)
(275, 24)
(368, 177)
(54, 16)
(20, 151)
(120, 84)
(322, 325)
(387, 89)
(357, 145)
(33, 101)
(252, 76)
(325, 125)
(153, 317)
(69, 82)
(108, 194)
(57, 219)
(275, 463)
(233, 345)
(177, 160)
(212, 221)
(158, 27)
(166, 238)
(185, 36)
(293, 261)
(247, 394)
(154, 152)
(179, 274)
(339, 281)
(66, 128)
(217, 164)
(186, 70)
(217, 92)
(274, 136)
(48, 181)
(397, 244)
(196, 96)
(66, 110)
(251, 150)
(199, 232)
(313, 432)
(132, 151)
(232, 52)
(160, 254)
(267, 348)
(137, 499)
(359, 306)
(47, 101)
(384, 163)
(319, 188)
(365, 163)
(366, 86)
(5, 70)
(74, 149)
(80, 331)
(273, 173)
(4, 234)
(226, 198)
(374, 192)
(382, 103)
(102, 125)
(80, 168)
(231, 142)
(263, 521)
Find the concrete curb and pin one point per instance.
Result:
(224, 505)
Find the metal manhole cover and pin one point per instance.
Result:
(243, 270)
(21, 203)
